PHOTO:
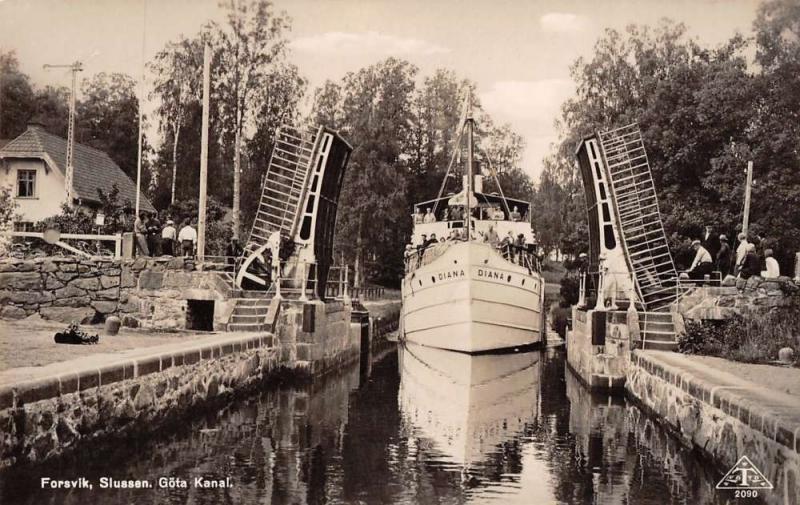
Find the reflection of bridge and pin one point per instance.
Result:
(628, 249)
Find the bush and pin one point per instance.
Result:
(570, 290)
(753, 337)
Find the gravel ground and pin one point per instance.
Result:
(777, 378)
(29, 342)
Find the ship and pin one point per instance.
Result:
(472, 280)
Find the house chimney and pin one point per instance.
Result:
(37, 122)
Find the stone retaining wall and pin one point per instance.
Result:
(42, 418)
(147, 292)
(716, 303)
(723, 418)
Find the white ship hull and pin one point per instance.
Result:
(470, 299)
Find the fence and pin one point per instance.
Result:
(88, 245)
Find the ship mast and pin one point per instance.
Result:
(468, 190)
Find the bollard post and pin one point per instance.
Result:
(303, 297)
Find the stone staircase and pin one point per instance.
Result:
(657, 331)
(251, 312)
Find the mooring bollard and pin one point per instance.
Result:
(112, 325)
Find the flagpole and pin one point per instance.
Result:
(141, 105)
(201, 211)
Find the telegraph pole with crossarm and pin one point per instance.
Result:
(74, 68)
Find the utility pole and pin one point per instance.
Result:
(201, 217)
(748, 187)
(68, 176)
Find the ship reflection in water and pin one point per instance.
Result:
(447, 429)
(467, 406)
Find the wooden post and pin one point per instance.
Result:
(748, 187)
(118, 246)
(201, 218)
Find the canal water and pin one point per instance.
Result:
(416, 426)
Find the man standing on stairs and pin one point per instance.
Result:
(702, 264)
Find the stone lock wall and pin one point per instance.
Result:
(49, 416)
(146, 292)
(320, 337)
(600, 366)
(720, 421)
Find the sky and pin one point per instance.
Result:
(519, 52)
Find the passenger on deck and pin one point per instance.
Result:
(520, 242)
(515, 215)
(491, 237)
(446, 215)
(418, 217)
(456, 213)
(429, 217)
(497, 214)
(422, 243)
(432, 241)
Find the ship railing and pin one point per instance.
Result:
(520, 255)
(421, 256)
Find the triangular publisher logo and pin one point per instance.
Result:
(744, 475)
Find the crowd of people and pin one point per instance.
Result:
(744, 262)
(456, 213)
(151, 238)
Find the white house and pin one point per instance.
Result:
(34, 165)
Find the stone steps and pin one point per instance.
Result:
(658, 331)
(249, 314)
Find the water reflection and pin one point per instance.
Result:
(466, 407)
(446, 429)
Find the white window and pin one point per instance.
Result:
(26, 183)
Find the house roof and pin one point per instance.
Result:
(94, 169)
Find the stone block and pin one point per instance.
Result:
(77, 301)
(30, 297)
(127, 278)
(107, 281)
(106, 294)
(68, 383)
(68, 267)
(69, 291)
(65, 276)
(105, 307)
(12, 312)
(52, 282)
(82, 315)
(149, 279)
(21, 281)
(145, 366)
(34, 391)
(89, 283)
(6, 397)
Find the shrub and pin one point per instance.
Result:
(753, 337)
(569, 290)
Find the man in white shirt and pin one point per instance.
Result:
(773, 270)
(168, 236)
(702, 264)
(187, 238)
(429, 217)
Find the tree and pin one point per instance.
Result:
(277, 103)
(178, 77)
(250, 44)
(108, 118)
(376, 117)
(17, 102)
